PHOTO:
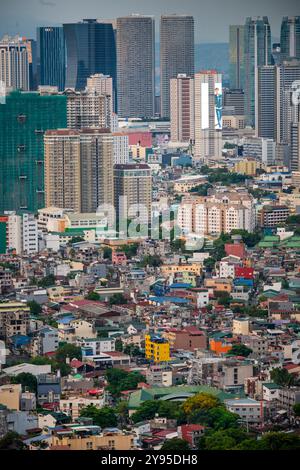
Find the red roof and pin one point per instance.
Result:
(235, 249)
(144, 139)
(75, 363)
(187, 431)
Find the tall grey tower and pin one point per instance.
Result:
(257, 52)
(176, 53)
(290, 37)
(135, 66)
(236, 56)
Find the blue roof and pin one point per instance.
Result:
(20, 340)
(65, 320)
(162, 299)
(180, 285)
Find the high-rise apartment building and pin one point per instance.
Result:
(274, 108)
(132, 186)
(257, 52)
(51, 54)
(91, 49)
(102, 84)
(295, 147)
(135, 68)
(14, 63)
(88, 109)
(208, 114)
(176, 53)
(182, 108)
(79, 168)
(24, 118)
(236, 56)
(217, 213)
(290, 37)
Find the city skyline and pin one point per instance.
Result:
(68, 11)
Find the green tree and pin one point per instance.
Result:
(296, 409)
(119, 380)
(107, 253)
(119, 345)
(47, 281)
(67, 350)
(117, 299)
(239, 350)
(93, 296)
(27, 380)
(11, 441)
(176, 444)
(282, 377)
(104, 417)
(35, 307)
(151, 260)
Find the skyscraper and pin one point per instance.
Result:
(266, 106)
(23, 119)
(14, 63)
(257, 52)
(208, 114)
(135, 69)
(176, 53)
(51, 53)
(182, 108)
(236, 56)
(91, 49)
(275, 110)
(295, 147)
(290, 37)
(79, 168)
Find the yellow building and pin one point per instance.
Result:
(194, 268)
(10, 396)
(109, 441)
(247, 167)
(157, 349)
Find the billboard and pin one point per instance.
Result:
(218, 106)
(204, 106)
(211, 106)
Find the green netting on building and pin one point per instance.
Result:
(23, 120)
(2, 237)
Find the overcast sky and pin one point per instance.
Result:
(212, 17)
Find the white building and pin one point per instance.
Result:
(121, 148)
(30, 234)
(98, 345)
(14, 63)
(14, 232)
(249, 410)
(220, 212)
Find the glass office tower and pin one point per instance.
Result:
(51, 53)
(290, 37)
(91, 49)
(257, 52)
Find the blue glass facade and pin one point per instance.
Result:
(52, 56)
(91, 48)
(290, 37)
